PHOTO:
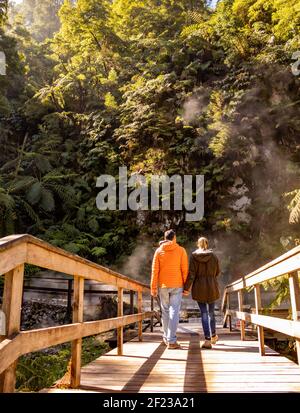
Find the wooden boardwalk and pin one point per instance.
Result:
(149, 367)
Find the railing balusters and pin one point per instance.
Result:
(260, 330)
(140, 309)
(131, 302)
(228, 308)
(12, 305)
(295, 304)
(120, 329)
(242, 322)
(77, 318)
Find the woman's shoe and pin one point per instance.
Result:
(207, 344)
(173, 346)
(214, 339)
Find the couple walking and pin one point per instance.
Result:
(172, 277)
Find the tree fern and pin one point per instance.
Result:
(28, 210)
(65, 192)
(99, 252)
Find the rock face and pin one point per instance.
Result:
(46, 313)
(41, 314)
(241, 200)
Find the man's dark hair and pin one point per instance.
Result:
(170, 234)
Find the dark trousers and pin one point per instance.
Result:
(208, 319)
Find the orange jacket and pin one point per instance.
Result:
(169, 266)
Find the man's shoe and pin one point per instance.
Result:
(214, 339)
(207, 344)
(173, 346)
(165, 341)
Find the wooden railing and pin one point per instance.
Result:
(286, 264)
(17, 250)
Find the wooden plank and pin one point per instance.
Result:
(240, 300)
(12, 302)
(72, 264)
(28, 241)
(288, 327)
(291, 253)
(120, 329)
(232, 365)
(228, 312)
(78, 302)
(12, 258)
(224, 301)
(284, 267)
(295, 304)
(140, 309)
(260, 329)
(13, 240)
(34, 340)
(131, 302)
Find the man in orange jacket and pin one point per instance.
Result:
(169, 273)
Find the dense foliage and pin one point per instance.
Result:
(159, 86)
(42, 369)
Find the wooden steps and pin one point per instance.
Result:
(149, 367)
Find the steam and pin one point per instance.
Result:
(138, 264)
(195, 105)
(191, 110)
(263, 170)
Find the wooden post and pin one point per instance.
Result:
(151, 320)
(120, 329)
(260, 330)
(228, 307)
(78, 301)
(12, 305)
(131, 302)
(295, 304)
(69, 302)
(242, 322)
(140, 310)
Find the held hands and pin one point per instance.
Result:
(185, 293)
(154, 293)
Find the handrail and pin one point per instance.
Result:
(17, 250)
(29, 249)
(286, 264)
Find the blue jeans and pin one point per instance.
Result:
(208, 319)
(170, 300)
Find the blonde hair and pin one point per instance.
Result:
(202, 243)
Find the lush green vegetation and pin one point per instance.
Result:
(42, 369)
(159, 86)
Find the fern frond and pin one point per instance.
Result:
(29, 211)
(7, 201)
(195, 16)
(47, 200)
(99, 251)
(21, 184)
(9, 221)
(57, 174)
(9, 165)
(65, 193)
(34, 194)
(294, 207)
